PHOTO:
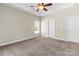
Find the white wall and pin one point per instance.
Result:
(15, 24)
(60, 18)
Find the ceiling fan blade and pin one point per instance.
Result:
(31, 6)
(39, 4)
(37, 10)
(49, 4)
(45, 9)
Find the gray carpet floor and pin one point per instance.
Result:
(41, 46)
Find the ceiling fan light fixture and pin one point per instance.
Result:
(40, 7)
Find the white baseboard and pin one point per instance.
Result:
(60, 39)
(57, 38)
(29, 38)
(17, 41)
(64, 40)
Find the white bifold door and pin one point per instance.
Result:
(73, 29)
(48, 28)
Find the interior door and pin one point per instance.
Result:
(51, 26)
(73, 28)
(44, 28)
(48, 28)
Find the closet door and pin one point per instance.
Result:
(51, 28)
(44, 28)
(48, 28)
(73, 28)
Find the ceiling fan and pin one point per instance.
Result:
(42, 6)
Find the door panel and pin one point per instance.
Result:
(44, 28)
(52, 28)
(73, 28)
(48, 28)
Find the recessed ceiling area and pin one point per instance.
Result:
(51, 9)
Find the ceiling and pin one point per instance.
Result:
(51, 9)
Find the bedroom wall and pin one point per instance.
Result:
(60, 18)
(59, 22)
(15, 24)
